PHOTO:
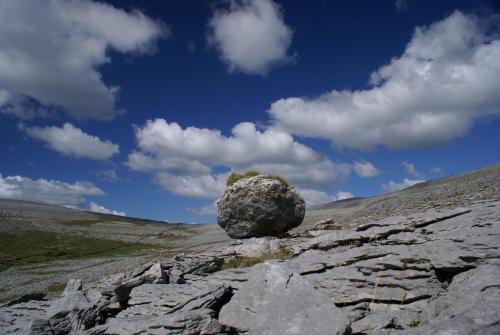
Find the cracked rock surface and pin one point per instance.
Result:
(430, 272)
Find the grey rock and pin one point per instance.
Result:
(254, 247)
(180, 323)
(170, 298)
(171, 309)
(120, 285)
(198, 264)
(17, 319)
(470, 306)
(97, 330)
(258, 206)
(277, 301)
(70, 313)
(27, 297)
(322, 225)
(235, 278)
(377, 231)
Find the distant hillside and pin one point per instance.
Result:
(24, 216)
(344, 203)
(27, 210)
(449, 192)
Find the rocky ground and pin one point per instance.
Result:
(422, 261)
(449, 192)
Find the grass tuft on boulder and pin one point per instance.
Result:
(234, 177)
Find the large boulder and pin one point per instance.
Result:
(259, 206)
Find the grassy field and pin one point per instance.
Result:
(39, 247)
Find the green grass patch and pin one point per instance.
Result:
(178, 233)
(244, 262)
(413, 323)
(169, 236)
(55, 289)
(3, 300)
(234, 177)
(33, 246)
(35, 280)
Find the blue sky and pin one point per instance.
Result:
(144, 107)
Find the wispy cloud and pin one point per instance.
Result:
(47, 191)
(412, 170)
(71, 141)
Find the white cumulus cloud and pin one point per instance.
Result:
(51, 50)
(71, 141)
(47, 191)
(207, 210)
(446, 80)
(412, 170)
(247, 145)
(316, 197)
(393, 186)
(251, 36)
(365, 169)
(204, 186)
(100, 209)
(341, 195)
(186, 156)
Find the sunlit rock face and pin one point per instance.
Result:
(259, 206)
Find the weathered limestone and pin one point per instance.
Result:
(435, 272)
(171, 309)
(254, 246)
(277, 301)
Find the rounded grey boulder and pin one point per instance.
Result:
(259, 206)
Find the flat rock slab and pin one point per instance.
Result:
(277, 301)
(171, 309)
(16, 319)
(196, 322)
